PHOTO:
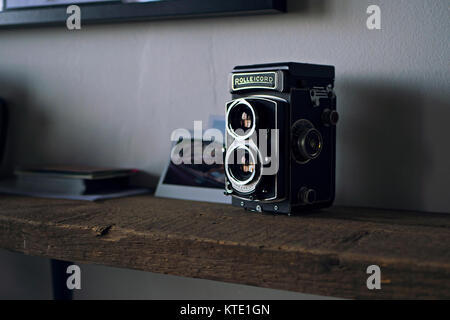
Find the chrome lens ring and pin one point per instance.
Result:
(248, 185)
(237, 103)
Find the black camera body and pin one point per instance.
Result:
(281, 137)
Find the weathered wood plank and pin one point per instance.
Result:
(323, 252)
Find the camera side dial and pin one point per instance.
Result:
(307, 141)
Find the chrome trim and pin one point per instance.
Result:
(275, 100)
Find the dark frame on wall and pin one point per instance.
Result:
(121, 12)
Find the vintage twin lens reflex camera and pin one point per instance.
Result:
(281, 137)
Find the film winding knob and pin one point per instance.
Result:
(330, 117)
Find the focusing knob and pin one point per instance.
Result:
(307, 196)
(330, 117)
(306, 140)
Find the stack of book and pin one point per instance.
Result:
(72, 182)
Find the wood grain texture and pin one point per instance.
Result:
(324, 252)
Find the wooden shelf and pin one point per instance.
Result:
(324, 253)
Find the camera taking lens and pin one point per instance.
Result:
(241, 164)
(244, 168)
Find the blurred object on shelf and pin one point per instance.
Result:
(75, 172)
(3, 128)
(200, 179)
(72, 182)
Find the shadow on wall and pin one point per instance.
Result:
(312, 7)
(382, 155)
(29, 134)
(24, 277)
(27, 125)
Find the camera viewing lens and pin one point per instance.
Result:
(241, 119)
